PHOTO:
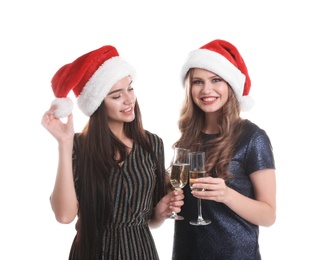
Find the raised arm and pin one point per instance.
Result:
(63, 198)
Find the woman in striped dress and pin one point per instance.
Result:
(111, 176)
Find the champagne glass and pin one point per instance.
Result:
(197, 170)
(179, 173)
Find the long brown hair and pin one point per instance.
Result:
(191, 122)
(99, 147)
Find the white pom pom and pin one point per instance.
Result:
(246, 103)
(64, 107)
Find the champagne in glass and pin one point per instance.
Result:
(195, 175)
(197, 170)
(179, 173)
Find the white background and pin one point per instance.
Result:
(287, 46)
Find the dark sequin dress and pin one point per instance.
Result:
(228, 237)
(128, 236)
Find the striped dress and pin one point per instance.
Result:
(128, 235)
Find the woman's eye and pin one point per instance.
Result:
(217, 80)
(196, 82)
(116, 97)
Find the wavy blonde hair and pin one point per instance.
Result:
(191, 122)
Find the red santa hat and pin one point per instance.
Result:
(223, 59)
(90, 77)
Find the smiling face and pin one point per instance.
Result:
(120, 102)
(209, 91)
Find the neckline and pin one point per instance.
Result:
(204, 134)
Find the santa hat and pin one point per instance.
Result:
(223, 59)
(90, 77)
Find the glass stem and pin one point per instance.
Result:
(174, 214)
(199, 210)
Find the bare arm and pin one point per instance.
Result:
(259, 211)
(63, 198)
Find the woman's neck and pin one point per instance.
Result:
(118, 131)
(210, 125)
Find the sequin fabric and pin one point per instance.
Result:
(228, 237)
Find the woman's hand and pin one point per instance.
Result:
(260, 210)
(214, 189)
(63, 199)
(60, 130)
(170, 202)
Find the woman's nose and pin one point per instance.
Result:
(207, 87)
(129, 99)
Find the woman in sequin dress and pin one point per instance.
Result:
(240, 189)
(111, 176)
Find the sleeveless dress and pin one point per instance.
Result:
(128, 236)
(228, 237)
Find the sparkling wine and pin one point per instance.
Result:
(179, 175)
(195, 175)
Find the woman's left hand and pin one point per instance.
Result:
(213, 189)
(170, 202)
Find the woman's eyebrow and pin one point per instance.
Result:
(118, 90)
(115, 91)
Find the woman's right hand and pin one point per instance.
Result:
(60, 130)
